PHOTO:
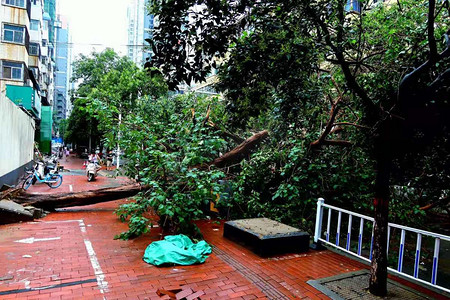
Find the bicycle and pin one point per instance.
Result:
(51, 179)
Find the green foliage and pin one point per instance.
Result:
(284, 61)
(284, 182)
(280, 69)
(166, 148)
(92, 73)
(81, 124)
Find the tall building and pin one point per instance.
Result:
(24, 104)
(15, 46)
(140, 24)
(47, 56)
(62, 70)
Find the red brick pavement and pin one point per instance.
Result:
(231, 272)
(81, 260)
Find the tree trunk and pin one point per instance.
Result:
(52, 201)
(378, 271)
(237, 154)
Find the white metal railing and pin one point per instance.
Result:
(362, 218)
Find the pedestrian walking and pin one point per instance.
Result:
(67, 153)
(109, 160)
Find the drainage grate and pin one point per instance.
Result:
(267, 288)
(354, 285)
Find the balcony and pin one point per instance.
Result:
(25, 96)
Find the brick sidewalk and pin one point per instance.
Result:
(66, 263)
(86, 263)
(74, 256)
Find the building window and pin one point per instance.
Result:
(12, 70)
(33, 49)
(15, 34)
(34, 24)
(18, 3)
(353, 5)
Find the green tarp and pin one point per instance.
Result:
(176, 249)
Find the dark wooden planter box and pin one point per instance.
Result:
(266, 237)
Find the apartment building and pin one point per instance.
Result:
(140, 24)
(17, 87)
(15, 43)
(26, 84)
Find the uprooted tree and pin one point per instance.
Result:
(306, 52)
(173, 144)
(60, 200)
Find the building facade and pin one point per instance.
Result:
(62, 71)
(20, 104)
(27, 64)
(140, 24)
(15, 43)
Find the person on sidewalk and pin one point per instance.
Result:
(67, 153)
(109, 160)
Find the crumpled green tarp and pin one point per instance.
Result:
(176, 249)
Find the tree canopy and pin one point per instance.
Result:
(377, 79)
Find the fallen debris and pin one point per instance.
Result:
(6, 277)
(182, 293)
(11, 212)
(36, 212)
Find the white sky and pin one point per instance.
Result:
(91, 22)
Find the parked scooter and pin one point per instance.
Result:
(38, 174)
(51, 165)
(92, 170)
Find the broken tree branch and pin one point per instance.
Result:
(342, 143)
(350, 124)
(237, 139)
(237, 154)
(208, 112)
(333, 112)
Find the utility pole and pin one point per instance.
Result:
(118, 137)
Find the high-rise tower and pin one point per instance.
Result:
(140, 24)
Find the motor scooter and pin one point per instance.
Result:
(91, 170)
(51, 165)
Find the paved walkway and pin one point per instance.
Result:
(71, 254)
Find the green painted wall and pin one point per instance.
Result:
(45, 135)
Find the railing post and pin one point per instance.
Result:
(349, 232)
(338, 230)
(417, 258)
(328, 225)
(319, 215)
(361, 229)
(401, 251)
(437, 243)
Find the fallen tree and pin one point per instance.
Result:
(52, 201)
